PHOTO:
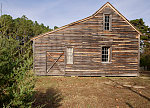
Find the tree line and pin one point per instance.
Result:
(16, 77)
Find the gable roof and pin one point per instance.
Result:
(82, 20)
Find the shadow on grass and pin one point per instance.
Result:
(129, 88)
(129, 105)
(147, 98)
(50, 99)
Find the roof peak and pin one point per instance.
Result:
(65, 26)
(108, 2)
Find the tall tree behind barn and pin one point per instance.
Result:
(103, 44)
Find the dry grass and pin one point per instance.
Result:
(92, 92)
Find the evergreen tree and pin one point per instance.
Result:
(55, 27)
(145, 41)
(140, 24)
(16, 80)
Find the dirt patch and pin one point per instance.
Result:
(93, 92)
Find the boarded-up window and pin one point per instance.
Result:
(69, 55)
(105, 54)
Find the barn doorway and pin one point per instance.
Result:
(55, 64)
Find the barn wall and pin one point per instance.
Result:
(87, 39)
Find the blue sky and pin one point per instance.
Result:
(61, 12)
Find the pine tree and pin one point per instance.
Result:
(145, 42)
(16, 81)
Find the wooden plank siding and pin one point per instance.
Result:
(87, 38)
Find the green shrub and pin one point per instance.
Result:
(16, 79)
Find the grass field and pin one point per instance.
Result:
(92, 92)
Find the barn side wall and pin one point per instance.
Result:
(87, 39)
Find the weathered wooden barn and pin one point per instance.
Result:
(103, 44)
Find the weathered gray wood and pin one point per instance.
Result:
(87, 39)
(54, 62)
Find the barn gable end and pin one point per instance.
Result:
(85, 48)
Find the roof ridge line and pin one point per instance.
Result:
(84, 19)
(65, 26)
(124, 18)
